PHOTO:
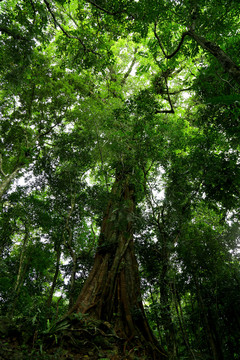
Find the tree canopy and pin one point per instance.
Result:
(119, 179)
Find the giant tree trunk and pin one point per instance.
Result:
(112, 290)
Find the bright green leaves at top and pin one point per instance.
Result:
(80, 38)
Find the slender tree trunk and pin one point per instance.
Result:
(54, 283)
(19, 287)
(156, 314)
(68, 239)
(166, 318)
(178, 307)
(112, 290)
(164, 297)
(23, 264)
(21, 261)
(216, 350)
(73, 277)
(167, 321)
(164, 284)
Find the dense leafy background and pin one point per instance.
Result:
(86, 85)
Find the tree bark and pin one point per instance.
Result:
(112, 290)
(227, 63)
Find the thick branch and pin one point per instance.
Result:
(184, 34)
(164, 112)
(227, 63)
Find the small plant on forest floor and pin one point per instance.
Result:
(56, 326)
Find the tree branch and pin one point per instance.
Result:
(1, 169)
(171, 111)
(226, 62)
(65, 32)
(226, 81)
(7, 181)
(169, 98)
(105, 10)
(184, 34)
(177, 91)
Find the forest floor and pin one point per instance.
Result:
(93, 340)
